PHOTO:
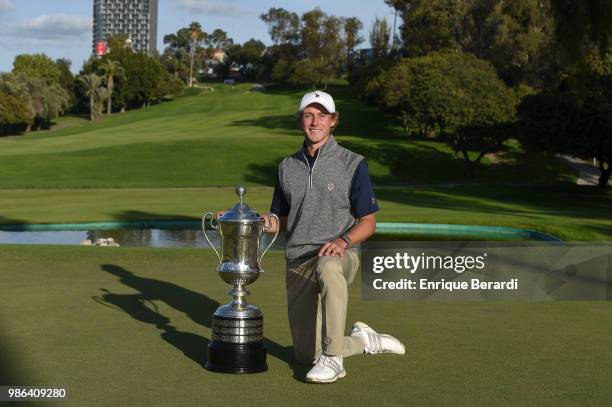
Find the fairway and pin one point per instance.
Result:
(130, 326)
(233, 136)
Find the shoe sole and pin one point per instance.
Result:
(325, 381)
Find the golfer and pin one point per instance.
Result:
(325, 202)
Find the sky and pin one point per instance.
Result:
(63, 28)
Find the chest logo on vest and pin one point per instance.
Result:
(330, 187)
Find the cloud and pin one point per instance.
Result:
(215, 8)
(46, 31)
(55, 26)
(6, 6)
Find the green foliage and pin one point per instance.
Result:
(429, 25)
(325, 41)
(44, 101)
(172, 87)
(582, 26)
(248, 58)
(117, 42)
(574, 119)
(92, 84)
(283, 25)
(144, 79)
(283, 70)
(379, 37)
(218, 39)
(14, 115)
(454, 95)
(190, 48)
(67, 79)
(140, 81)
(516, 37)
(37, 66)
(352, 26)
(111, 69)
(311, 72)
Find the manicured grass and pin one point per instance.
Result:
(131, 326)
(233, 136)
(569, 212)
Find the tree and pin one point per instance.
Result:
(379, 37)
(352, 26)
(16, 86)
(185, 51)
(456, 95)
(321, 45)
(111, 69)
(37, 66)
(118, 41)
(312, 72)
(429, 25)
(195, 33)
(66, 79)
(575, 118)
(218, 39)
(283, 25)
(14, 115)
(248, 58)
(516, 37)
(44, 101)
(92, 83)
(582, 26)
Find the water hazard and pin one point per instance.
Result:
(127, 238)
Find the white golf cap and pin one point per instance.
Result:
(322, 98)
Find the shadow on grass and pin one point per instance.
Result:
(262, 174)
(413, 163)
(284, 122)
(198, 307)
(527, 201)
(12, 372)
(11, 221)
(357, 118)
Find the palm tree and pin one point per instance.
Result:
(111, 69)
(92, 82)
(102, 94)
(195, 30)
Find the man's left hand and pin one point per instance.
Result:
(334, 247)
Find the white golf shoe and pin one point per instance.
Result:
(375, 342)
(326, 369)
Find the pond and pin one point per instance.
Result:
(125, 237)
(189, 234)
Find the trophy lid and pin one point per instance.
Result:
(241, 211)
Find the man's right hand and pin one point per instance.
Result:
(269, 221)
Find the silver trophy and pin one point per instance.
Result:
(237, 327)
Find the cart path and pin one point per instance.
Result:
(588, 174)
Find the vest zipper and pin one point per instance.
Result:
(310, 170)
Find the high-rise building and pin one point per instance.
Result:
(135, 18)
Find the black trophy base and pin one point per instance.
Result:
(226, 357)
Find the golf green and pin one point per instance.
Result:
(118, 326)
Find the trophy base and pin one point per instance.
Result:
(226, 357)
(237, 344)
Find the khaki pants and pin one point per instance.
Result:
(317, 297)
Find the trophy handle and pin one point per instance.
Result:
(204, 230)
(275, 235)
